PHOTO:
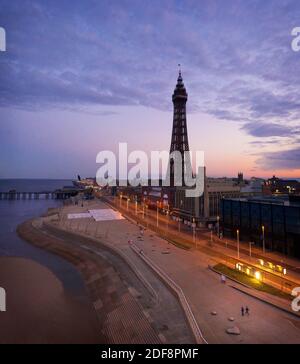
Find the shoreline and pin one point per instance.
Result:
(120, 317)
(38, 308)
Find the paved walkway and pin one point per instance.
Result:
(121, 318)
(152, 303)
(205, 293)
(221, 249)
(203, 233)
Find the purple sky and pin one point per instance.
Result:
(79, 77)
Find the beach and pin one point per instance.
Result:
(38, 309)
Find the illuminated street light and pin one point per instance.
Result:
(144, 208)
(283, 272)
(194, 231)
(238, 243)
(168, 218)
(257, 275)
(250, 245)
(263, 233)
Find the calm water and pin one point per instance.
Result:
(33, 185)
(13, 212)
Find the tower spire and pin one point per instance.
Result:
(179, 139)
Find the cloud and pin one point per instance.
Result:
(236, 58)
(287, 159)
(269, 130)
(126, 54)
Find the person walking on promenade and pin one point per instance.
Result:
(242, 310)
(247, 311)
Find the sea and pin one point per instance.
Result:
(14, 212)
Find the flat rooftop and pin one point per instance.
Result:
(285, 200)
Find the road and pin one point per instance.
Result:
(222, 250)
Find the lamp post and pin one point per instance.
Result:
(263, 234)
(147, 214)
(238, 242)
(157, 213)
(179, 219)
(168, 220)
(250, 245)
(218, 225)
(135, 207)
(283, 272)
(194, 231)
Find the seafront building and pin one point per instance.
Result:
(271, 222)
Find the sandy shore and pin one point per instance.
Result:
(38, 308)
(118, 312)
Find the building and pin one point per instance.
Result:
(206, 208)
(277, 185)
(253, 188)
(179, 138)
(270, 221)
(216, 189)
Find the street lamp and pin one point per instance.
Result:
(168, 219)
(283, 272)
(250, 245)
(144, 208)
(238, 242)
(218, 225)
(194, 230)
(263, 234)
(147, 214)
(135, 207)
(157, 213)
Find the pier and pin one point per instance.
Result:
(62, 194)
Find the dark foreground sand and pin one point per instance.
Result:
(38, 308)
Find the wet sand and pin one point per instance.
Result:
(38, 310)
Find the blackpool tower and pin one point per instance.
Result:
(179, 140)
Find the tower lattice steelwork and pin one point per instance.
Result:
(179, 141)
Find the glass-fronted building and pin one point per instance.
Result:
(276, 220)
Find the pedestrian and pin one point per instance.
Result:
(247, 310)
(242, 310)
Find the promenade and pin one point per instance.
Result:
(128, 308)
(189, 269)
(224, 250)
